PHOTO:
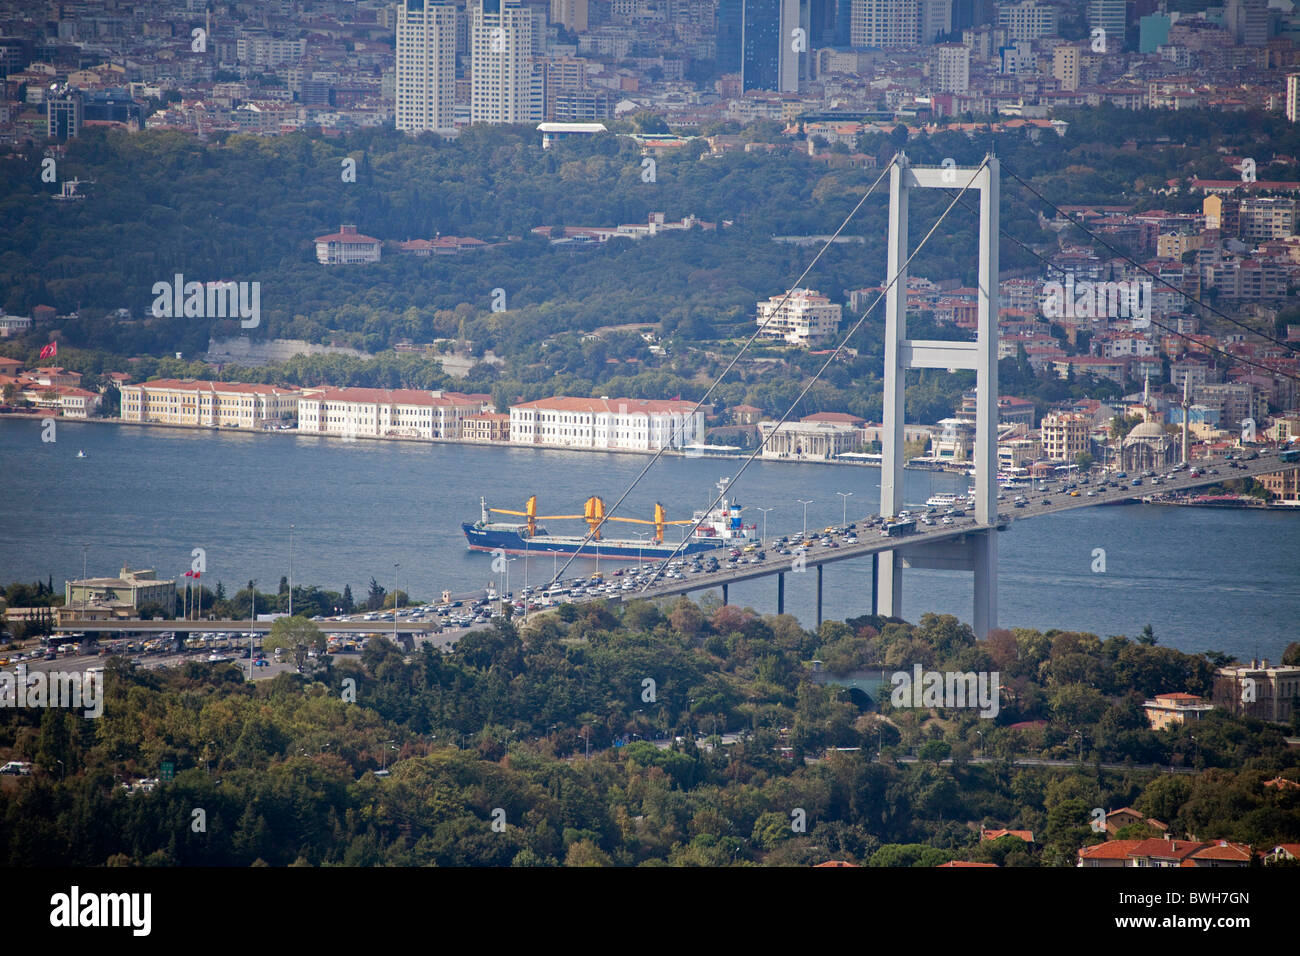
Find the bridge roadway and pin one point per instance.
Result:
(1037, 503)
(871, 543)
(242, 627)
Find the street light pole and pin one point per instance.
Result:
(291, 570)
(844, 513)
(805, 513)
(765, 511)
(395, 592)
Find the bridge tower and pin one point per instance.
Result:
(977, 551)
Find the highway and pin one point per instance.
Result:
(1052, 500)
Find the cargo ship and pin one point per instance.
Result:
(720, 527)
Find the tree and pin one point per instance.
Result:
(1148, 636)
(348, 605)
(375, 596)
(297, 635)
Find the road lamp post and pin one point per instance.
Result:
(805, 513)
(84, 586)
(395, 567)
(765, 511)
(291, 570)
(252, 620)
(641, 535)
(844, 512)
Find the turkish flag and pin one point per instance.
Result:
(197, 575)
(50, 351)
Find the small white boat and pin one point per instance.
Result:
(80, 453)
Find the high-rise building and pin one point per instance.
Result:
(1065, 65)
(1109, 15)
(770, 57)
(935, 19)
(64, 113)
(843, 23)
(1293, 98)
(1027, 20)
(730, 16)
(886, 23)
(505, 86)
(1247, 21)
(426, 65)
(570, 14)
(950, 68)
(971, 13)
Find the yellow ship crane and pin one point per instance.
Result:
(593, 514)
(530, 513)
(661, 519)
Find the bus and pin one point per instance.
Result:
(1291, 454)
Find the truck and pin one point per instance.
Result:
(897, 528)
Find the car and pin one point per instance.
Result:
(17, 768)
(261, 662)
(947, 520)
(1075, 493)
(1091, 493)
(1047, 501)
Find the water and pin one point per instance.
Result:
(145, 497)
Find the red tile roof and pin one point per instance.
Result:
(1110, 850)
(629, 406)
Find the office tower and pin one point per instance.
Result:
(1247, 21)
(1027, 20)
(570, 14)
(1293, 98)
(1108, 15)
(935, 19)
(504, 87)
(64, 113)
(426, 65)
(769, 60)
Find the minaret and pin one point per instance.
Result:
(1186, 379)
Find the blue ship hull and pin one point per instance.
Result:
(512, 542)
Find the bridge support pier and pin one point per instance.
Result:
(875, 573)
(724, 594)
(819, 596)
(780, 592)
(976, 552)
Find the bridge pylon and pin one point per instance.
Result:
(976, 552)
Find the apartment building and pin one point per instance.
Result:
(388, 412)
(805, 318)
(426, 65)
(1265, 217)
(630, 424)
(885, 23)
(1064, 435)
(210, 404)
(505, 86)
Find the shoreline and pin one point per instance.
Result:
(670, 453)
